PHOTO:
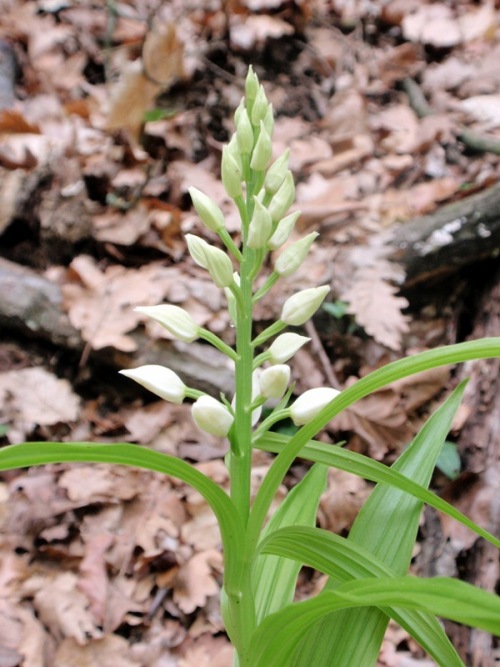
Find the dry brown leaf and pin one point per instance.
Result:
(400, 125)
(123, 228)
(379, 421)
(33, 396)
(110, 651)
(375, 306)
(342, 500)
(437, 24)
(142, 80)
(208, 652)
(103, 310)
(87, 483)
(61, 607)
(93, 581)
(483, 108)
(248, 31)
(196, 581)
(163, 55)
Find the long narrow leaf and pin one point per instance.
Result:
(39, 453)
(275, 577)
(275, 639)
(360, 465)
(386, 526)
(342, 559)
(452, 354)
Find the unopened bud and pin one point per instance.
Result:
(300, 307)
(197, 248)
(259, 108)
(293, 256)
(262, 151)
(310, 404)
(231, 174)
(211, 416)
(260, 227)
(276, 173)
(283, 199)
(269, 120)
(251, 85)
(238, 111)
(210, 214)
(219, 266)
(175, 320)
(160, 380)
(244, 132)
(274, 381)
(283, 230)
(285, 346)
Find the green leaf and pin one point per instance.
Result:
(275, 639)
(386, 526)
(39, 453)
(275, 577)
(360, 465)
(452, 354)
(449, 460)
(337, 309)
(343, 560)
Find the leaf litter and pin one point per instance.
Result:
(116, 113)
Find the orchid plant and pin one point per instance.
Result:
(368, 581)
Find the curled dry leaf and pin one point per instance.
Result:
(142, 80)
(196, 581)
(375, 306)
(32, 397)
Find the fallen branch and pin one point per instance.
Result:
(32, 305)
(451, 237)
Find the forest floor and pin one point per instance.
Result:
(108, 113)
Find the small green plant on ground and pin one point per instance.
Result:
(368, 583)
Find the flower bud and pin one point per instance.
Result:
(260, 227)
(231, 300)
(269, 120)
(310, 404)
(212, 416)
(293, 256)
(274, 381)
(238, 111)
(197, 249)
(160, 380)
(231, 174)
(244, 132)
(283, 230)
(285, 346)
(251, 85)
(283, 199)
(219, 266)
(259, 109)
(175, 320)
(276, 173)
(210, 214)
(234, 151)
(300, 307)
(262, 151)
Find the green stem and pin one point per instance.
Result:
(239, 589)
(230, 244)
(272, 280)
(271, 330)
(274, 417)
(218, 343)
(261, 358)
